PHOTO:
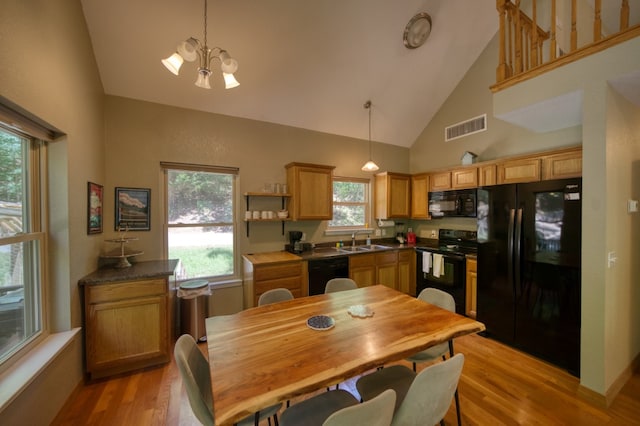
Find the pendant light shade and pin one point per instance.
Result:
(369, 166)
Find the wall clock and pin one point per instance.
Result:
(417, 30)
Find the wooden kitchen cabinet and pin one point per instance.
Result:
(487, 175)
(311, 188)
(392, 195)
(362, 269)
(464, 178)
(440, 181)
(387, 268)
(266, 271)
(127, 326)
(562, 165)
(519, 171)
(407, 271)
(471, 287)
(420, 196)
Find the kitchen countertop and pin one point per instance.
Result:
(271, 257)
(322, 252)
(326, 251)
(137, 270)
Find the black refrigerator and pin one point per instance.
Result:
(529, 242)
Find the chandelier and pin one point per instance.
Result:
(192, 49)
(369, 166)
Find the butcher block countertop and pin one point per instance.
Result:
(271, 257)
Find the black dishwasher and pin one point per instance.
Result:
(322, 270)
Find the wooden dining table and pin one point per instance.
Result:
(268, 354)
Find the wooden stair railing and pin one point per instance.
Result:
(522, 40)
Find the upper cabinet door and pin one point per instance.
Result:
(519, 171)
(311, 187)
(420, 196)
(440, 181)
(392, 195)
(464, 178)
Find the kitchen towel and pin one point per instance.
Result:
(438, 265)
(426, 261)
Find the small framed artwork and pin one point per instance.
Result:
(133, 209)
(95, 196)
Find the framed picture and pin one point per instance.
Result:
(133, 209)
(95, 197)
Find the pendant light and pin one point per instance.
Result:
(369, 166)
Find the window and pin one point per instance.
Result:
(22, 241)
(200, 219)
(350, 203)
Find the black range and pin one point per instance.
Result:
(443, 265)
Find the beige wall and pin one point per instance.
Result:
(472, 97)
(47, 67)
(622, 295)
(141, 134)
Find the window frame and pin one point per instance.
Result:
(366, 203)
(34, 230)
(199, 168)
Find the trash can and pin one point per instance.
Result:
(193, 308)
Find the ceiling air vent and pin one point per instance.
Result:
(465, 128)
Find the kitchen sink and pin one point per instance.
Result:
(369, 247)
(353, 249)
(376, 247)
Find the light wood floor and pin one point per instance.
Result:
(499, 386)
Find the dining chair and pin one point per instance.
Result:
(443, 300)
(340, 284)
(274, 296)
(421, 398)
(340, 408)
(195, 373)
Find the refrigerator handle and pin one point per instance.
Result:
(512, 214)
(518, 247)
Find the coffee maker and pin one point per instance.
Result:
(294, 241)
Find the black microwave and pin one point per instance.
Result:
(459, 203)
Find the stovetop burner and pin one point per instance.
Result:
(456, 241)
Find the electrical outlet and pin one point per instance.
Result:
(384, 232)
(378, 232)
(434, 234)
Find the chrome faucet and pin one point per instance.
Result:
(353, 239)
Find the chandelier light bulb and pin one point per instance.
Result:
(203, 79)
(173, 63)
(230, 81)
(188, 49)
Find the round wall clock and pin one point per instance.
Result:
(417, 30)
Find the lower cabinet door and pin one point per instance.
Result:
(127, 334)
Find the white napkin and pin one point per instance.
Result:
(438, 265)
(426, 261)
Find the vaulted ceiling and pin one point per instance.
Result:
(307, 64)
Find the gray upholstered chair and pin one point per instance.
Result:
(195, 373)
(446, 301)
(422, 398)
(340, 284)
(340, 408)
(274, 296)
